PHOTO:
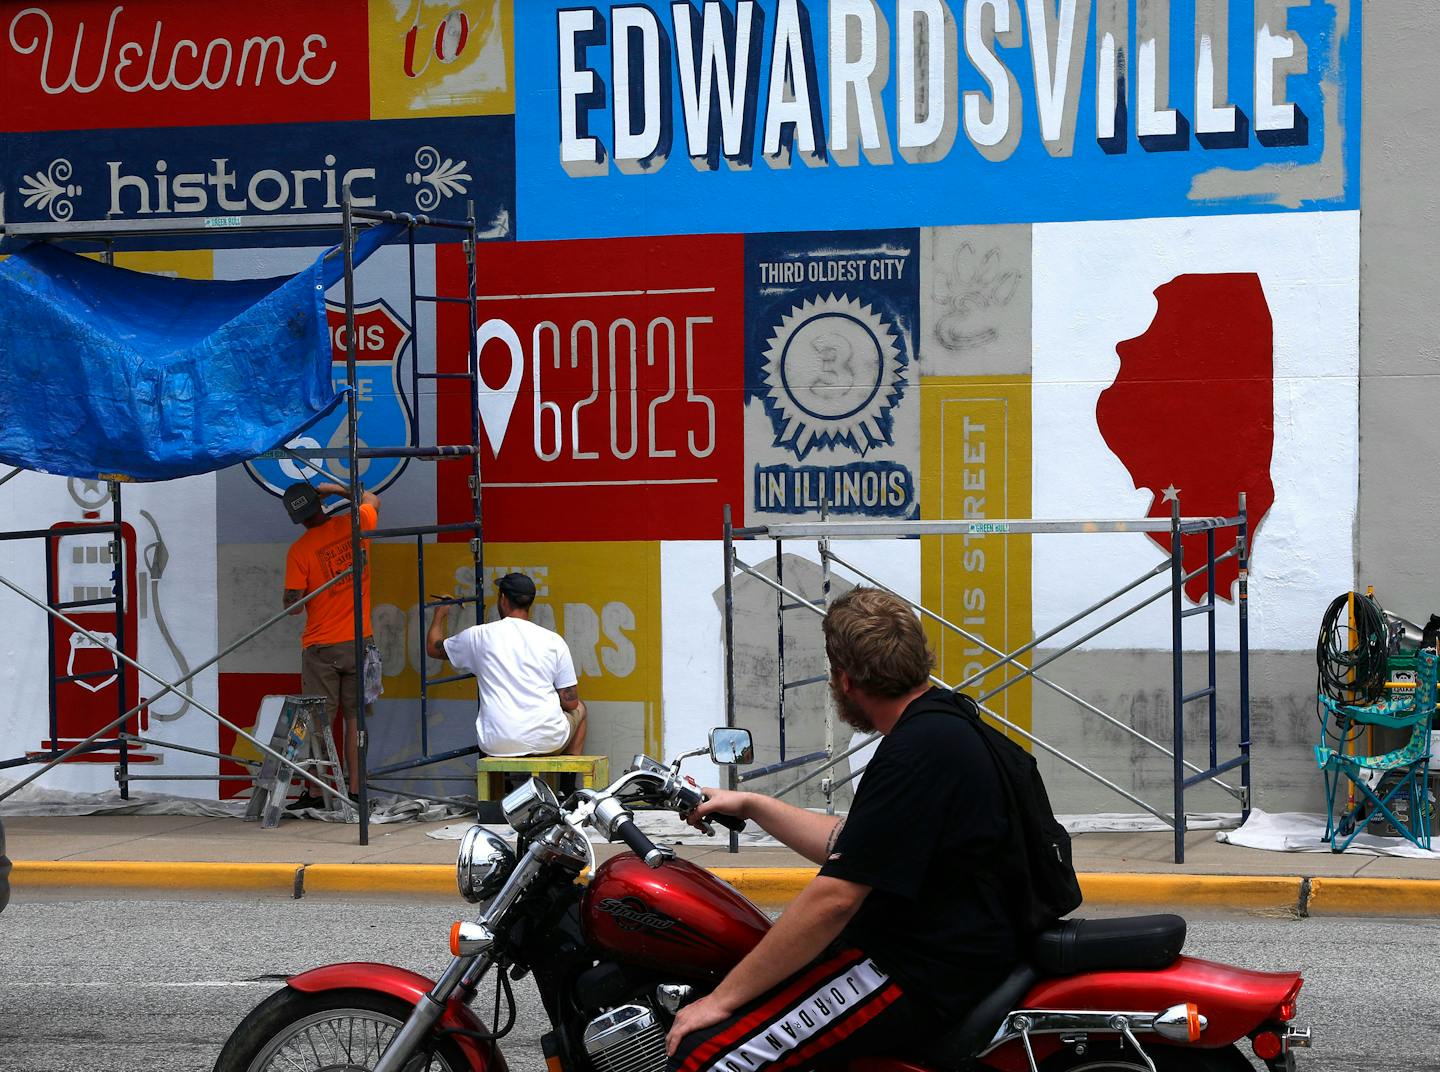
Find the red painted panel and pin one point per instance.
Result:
(1193, 408)
(240, 696)
(600, 452)
(88, 64)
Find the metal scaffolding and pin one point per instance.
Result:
(117, 735)
(1185, 773)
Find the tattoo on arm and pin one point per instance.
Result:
(834, 836)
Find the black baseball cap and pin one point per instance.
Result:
(302, 502)
(517, 587)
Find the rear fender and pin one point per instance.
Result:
(408, 987)
(1234, 1001)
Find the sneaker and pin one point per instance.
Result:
(305, 801)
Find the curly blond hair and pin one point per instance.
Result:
(875, 638)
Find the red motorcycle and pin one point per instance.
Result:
(615, 958)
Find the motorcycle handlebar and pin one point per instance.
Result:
(729, 822)
(691, 799)
(639, 843)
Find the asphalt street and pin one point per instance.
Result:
(131, 984)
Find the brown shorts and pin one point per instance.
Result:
(572, 717)
(328, 670)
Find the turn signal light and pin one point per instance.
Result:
(1180, 1023)
(1267, 1045)
(470, 939)
(1286, 1011)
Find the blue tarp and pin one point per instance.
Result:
(106, 372)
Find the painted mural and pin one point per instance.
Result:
(908, 259)
(829, 379)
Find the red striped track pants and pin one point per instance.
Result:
(840, 1004)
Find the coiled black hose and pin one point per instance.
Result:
(1353, 667)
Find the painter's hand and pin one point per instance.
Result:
(439, 629)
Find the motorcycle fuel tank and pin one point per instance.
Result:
(676, 918)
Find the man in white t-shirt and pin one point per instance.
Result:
(529, 705)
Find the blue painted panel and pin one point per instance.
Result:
(830, 335)
(1307, 162)
(409, 165)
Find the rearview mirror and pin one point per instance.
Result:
(730, 746)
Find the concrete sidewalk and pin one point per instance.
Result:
(305, 857)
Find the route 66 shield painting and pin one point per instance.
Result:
(381, 339)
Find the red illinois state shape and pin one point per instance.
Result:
(1192, 409)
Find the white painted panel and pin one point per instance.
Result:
(1094, 286)
(692, 576)
(180, 601)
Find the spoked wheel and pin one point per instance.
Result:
(337, 1031)
(1109, 1057)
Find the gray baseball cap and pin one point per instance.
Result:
(517, 586)
(302, 502)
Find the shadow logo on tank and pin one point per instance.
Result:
(633, 914)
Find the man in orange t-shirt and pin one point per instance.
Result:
(327, 657)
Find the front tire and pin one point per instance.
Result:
(333, 1031)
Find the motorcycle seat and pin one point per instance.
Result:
(1128, 943)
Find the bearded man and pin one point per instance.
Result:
(907, 926)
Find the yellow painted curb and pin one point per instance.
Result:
(1228, 891)
(146, 873)
(381, 878)
(1374, 897)
(777, 885)
(766, 885)
(771, 886)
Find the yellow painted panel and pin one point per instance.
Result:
(441, 57)
(603, 598)
(178, 263)
(975, 463)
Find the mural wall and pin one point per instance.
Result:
(911, 259)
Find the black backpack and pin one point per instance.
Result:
(1042, 860)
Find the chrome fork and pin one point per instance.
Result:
(476, 940)
(427, 1013)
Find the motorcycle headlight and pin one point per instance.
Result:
(531, 808)
(484, 863)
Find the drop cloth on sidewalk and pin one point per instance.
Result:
(1292, 831)
(38, 800)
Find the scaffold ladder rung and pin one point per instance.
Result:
(812, 680)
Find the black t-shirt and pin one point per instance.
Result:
(930, 834)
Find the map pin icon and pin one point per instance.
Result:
(497, 403)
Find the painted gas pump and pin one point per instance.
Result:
(86, 678)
